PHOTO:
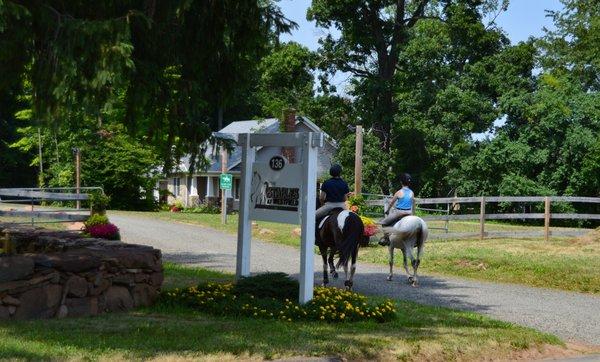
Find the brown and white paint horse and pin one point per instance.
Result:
(342, 231)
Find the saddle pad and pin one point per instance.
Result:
(323, 221)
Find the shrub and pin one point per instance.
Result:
(328, 304)
(269, 285)
(96, 219)
(176, 206)
(99, 202)
(104, 231)
(203, 209)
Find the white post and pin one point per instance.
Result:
(244, 227)
(308, 203)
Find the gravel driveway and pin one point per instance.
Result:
(571, 316)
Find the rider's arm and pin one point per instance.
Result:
(392, 201)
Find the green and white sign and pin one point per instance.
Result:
(226, 179)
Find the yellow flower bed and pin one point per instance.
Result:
(328, 304)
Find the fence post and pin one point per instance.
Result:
(547, 218)
(482, 219)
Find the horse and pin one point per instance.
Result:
(406, 234)
(341, 230)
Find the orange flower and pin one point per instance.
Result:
(354, 208)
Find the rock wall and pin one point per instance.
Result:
(56, 274)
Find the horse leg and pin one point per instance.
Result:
(412, 278)
(323, 251)
(331, 265)
(405, 262)
(350, 283)
(391, 261)
(417, 262)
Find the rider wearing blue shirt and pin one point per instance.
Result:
(400, 206)
(334, 192)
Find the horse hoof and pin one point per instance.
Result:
(348, 284)
(414, 284)
(335, 275)
(389, 278)
(411, 280)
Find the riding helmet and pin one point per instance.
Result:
(335, 170)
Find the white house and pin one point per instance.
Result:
(203, 185)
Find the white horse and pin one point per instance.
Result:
(408, 233)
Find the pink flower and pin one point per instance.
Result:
(104, 231)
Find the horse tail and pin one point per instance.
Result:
(351, 235)
(422, 233)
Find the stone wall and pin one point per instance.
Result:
(56, 274)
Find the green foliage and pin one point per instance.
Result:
(268, 285)
(96, 219)
(203, 209)
(285, 79)
(329, 304)
(99, 202)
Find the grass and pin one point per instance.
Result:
(559, 263)
(418, 333)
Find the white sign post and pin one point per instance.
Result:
(281, 192)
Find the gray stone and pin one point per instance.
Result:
(144, 295)
(76, 286)
(12, 309)
(118, 299)
(97, 290)
(15, 268)
(156, 279)
(11, 300)
(124, 279)
(53, 295)
(33, 304)
(62, 312)
(4, 314)
(81, 307)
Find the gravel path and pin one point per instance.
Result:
(571, 316)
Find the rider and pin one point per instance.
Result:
(400, 206)
(334, 192)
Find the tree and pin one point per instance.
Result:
(286, 79)
(409, 60)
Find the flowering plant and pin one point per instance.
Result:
(104, 231)
(370, 226)
(328, 304)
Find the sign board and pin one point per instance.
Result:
(225, 181)
(281, 192)
(275, 195)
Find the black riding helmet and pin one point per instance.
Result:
(406, 179)
(335, 170)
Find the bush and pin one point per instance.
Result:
(329, 304)
(96, 219)
(203, 209)
(104, 231)
(99, 202)
(269, 285)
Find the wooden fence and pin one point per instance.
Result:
(482, 216)
(33, 197)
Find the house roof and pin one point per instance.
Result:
(232, 130)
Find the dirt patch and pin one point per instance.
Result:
(470, 264)
(550, 352)
(592, 237)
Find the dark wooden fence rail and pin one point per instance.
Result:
(482, 216)
(34, 196)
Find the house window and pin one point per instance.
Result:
(236, 188)
(176, 185)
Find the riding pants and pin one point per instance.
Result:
(325, 209)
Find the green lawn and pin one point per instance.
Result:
(560, 263)
(419, 333)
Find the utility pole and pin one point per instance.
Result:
(358, 154)
(77, 153)
(41, 176)
(224, 161)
